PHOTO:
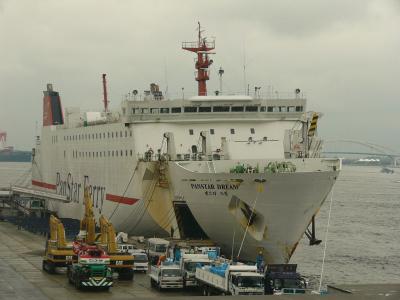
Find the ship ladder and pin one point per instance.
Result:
(162, 178)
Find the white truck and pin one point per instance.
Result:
(168, 275)
(230, 279)
(126, 248)
(188, 264)
(140, 261)
(155, 248)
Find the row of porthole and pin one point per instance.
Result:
(232, 130)
(97, 154)
(219, 109)
(94, 136)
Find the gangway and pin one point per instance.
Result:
(37, 194)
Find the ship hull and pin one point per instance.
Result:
(248, 213)
(243, 213)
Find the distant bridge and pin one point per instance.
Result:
(374, 150)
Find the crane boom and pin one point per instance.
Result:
(108, 235)
(57, 232)
(88, 224)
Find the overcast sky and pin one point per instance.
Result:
(345, 55)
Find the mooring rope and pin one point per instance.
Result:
(326, 242)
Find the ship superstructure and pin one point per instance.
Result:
(240, 170)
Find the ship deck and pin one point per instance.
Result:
(21, 277)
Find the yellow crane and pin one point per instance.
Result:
(88, 225)
(58, 252)
(121, 263)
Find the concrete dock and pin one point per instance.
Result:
(21, 277)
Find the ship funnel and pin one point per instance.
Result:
(52, 111)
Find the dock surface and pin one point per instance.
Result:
(21, 277)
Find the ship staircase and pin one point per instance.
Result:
(162, 178)
(189, 228)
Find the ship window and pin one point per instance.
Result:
(221, 109)
(116, 153)
(89, 154)
(270, 108)
(154, 110)
(116, 134)
(251, 108)
(120, 133)
(237, 108)
(190, 109)
(205, 109)
(145, 110)
(104, 135)
(282, 108)
(232, 131)
(275, 109)
(191, 131)
(126, 152)
(93, 154)
(262, 109)
(130, 133)
(126, 133)
(97, 154)
(175, 110)
(211, 131)
(93, 136)
(121, 153)
(252, 131)
(299, 108)
(100, 153)
(130, 152)
(112, 134)
(291, 109)
(164, 110)
(108, 152)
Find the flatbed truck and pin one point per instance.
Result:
(188, 264)
(167, 275)
(230, 279)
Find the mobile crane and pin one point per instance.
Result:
(122, 263)
(92, 268)
(58, 252)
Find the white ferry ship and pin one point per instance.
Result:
(243, 171)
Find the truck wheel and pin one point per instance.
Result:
(77, 283)
(49, 267)
(69, 276)
(204, 290)
(125, 275)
